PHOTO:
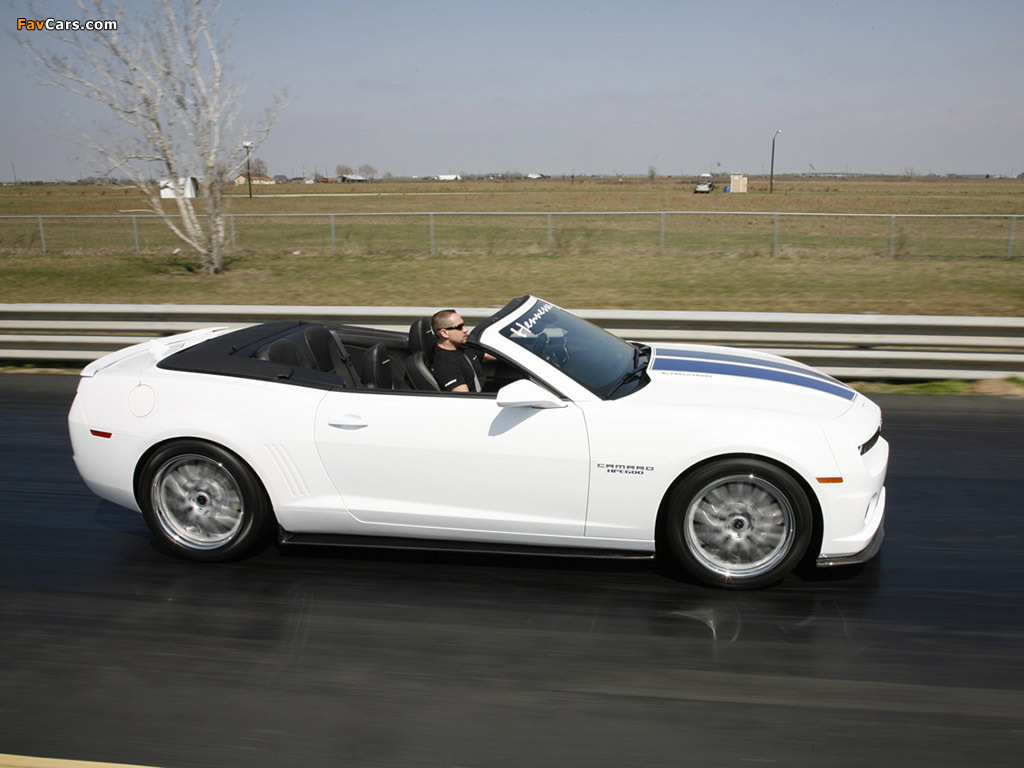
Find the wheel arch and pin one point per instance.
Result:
(814, 546)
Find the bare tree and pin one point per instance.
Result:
(162, 79)
(368, 171)
(343, 170)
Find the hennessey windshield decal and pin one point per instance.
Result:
(525, 324)
(753, 370)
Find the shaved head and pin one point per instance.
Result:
(443, 319)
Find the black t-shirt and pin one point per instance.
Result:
(454, 368)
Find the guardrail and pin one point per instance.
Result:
(851, 347)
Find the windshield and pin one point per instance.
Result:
(596, 359)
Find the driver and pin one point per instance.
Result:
(456, 367)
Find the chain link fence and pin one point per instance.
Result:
(556, 232)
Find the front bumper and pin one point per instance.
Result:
(872, 549)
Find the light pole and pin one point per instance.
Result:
(771, 179)
(248, 169)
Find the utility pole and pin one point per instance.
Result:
(771, 181)
(248, 169)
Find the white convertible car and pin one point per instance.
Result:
(736, 465)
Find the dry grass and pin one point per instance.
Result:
(821, 264)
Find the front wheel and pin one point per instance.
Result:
(202, 502)
(738, 523)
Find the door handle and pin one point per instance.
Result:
(348, 421)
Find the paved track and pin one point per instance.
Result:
(112, 652)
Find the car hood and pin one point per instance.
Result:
(709, 376)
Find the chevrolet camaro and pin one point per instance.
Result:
(733, 465)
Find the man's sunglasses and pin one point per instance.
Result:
(458, 327)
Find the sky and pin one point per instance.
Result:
(425, 87)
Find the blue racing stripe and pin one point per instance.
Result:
(768, 374)
(724, 357)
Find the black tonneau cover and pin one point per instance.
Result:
(231, 354)
(234, 353)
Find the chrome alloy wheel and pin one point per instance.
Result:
(197, 501)
(739, 526)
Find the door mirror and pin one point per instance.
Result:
(528, 394)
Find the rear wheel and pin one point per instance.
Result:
(738, 523)
(202, 502)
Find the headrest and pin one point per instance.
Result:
(376, 370)
(319, 341)
(421, 337)
(285, 352)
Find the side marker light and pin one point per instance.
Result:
(827, 480)
(100, 433)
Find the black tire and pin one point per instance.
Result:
(202, 502)
(738, 523)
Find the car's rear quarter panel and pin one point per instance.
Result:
(269, 425)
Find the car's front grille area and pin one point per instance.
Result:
(871, 443)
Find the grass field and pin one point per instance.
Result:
(699, 261)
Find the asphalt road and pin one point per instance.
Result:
(110, 651)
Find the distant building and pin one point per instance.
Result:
(257, 178)
(351, 177)
(448, 177)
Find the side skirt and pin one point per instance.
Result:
(444, 545)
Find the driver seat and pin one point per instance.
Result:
(422, 343)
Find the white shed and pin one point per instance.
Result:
(169, 190)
